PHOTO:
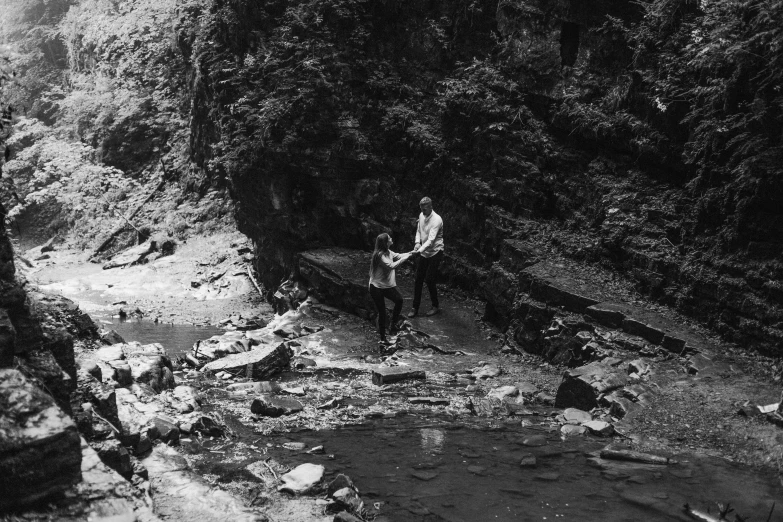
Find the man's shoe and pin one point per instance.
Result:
(413, 313)
(432, 311)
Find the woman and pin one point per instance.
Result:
(383, 284)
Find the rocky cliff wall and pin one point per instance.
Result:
(330, 120)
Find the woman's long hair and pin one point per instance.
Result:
(381, 248)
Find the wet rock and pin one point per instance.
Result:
(487, 371)
(431, 401)
(424, 475)
(634, 456)
(330, 404)
(259, 363)
(111, 337)
(340, 481)
(502, 392)
(348, 499)
(570, 430)
(528, 461)
(576, 416)
(526, 388)
(120, 372)
(302, 478)
(294, 446)
(167, 427)
(383, 375)
(270, 406)
(601, 428)
(581, 387)
(185, 399)
(114, 455)
(548, 477)
(40, 454)
(41, 366)
(344, 516)
(535, 441)
(154, 370)
(300, 363)
(476, 470)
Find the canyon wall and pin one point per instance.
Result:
(523, 120)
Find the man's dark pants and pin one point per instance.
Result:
(427, 272)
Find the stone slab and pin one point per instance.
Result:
(559, 285)
(259, 363)
(383, 375)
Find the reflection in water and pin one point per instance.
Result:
(432, 440)
(175, 338)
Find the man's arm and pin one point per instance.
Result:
(417, 242)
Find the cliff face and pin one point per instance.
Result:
(524, 121)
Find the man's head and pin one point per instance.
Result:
(426, 206)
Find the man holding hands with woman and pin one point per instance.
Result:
(429, 251)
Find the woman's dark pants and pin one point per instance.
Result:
(378, 295)
(427, 272)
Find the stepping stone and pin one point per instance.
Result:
(548, 477)
(535, 441)
(528, 461)
(381, 376)
(431, 401)
(270, 406)
(571, 430)
(302, 478)
(424, 475)
(601, 428)
(576, 416)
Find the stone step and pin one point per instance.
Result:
(558, 284)
(649, 325)
(383, 375)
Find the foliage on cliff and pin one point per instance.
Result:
(103, 88)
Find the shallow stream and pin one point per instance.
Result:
(428, 469)
(431, 468)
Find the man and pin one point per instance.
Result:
(429, 249)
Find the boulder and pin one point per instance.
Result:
(42, 367)
(598, 427)
(259, 363)
(110, 337)
(154, 370)
(270, 406)
(302, 478)
(114, 455)
(576, 416)
(340, 481)
(40, 450)
(502, 392)
(348, 499)
(571, 430)
(581, 387)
